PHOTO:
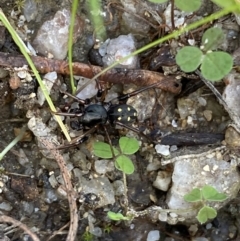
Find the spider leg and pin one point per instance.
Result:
(109, 140)
(81, 101)
(78, 140)
(100, 90)
(128, 95)
(67, 114)
(134, 130)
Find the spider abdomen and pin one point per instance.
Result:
(122, 113)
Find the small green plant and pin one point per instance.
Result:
(19, 4)
(87, 236)
(204, 195)
(117, 216)
(128, 146)
(214, 64)
(107, 229)
(184, 5)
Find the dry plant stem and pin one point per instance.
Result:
(124, 76)
(70, 191)
(172, 14)
(7, 219)
(125, 192)
(234, 117)
(58, 232)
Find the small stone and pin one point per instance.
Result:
(50, 196)
(101, 187)
(207, 114)
(120, 47)
(191, 42)
(154, 166)
(209, 226)
(28, 207)
(30, 9)
(163, 180)
(173, 215)
(52, 37)
(190, 120)
(215, 167)
(174, 124)
(22, 74)
(14, 82)
(61, 190)
(202, 101)
(193, 229)
(3, 73)
(6, 206)
(232, 137)
(96, 232)
(22, 158)
(173, 148)
(118, 188)
(162, 149)
(89, 91)
(49, 80)
(53, 181)
(163, 216)
(153, 235)
(1, 184)
(101, 166)
(206, 168)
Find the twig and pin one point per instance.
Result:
(172, 14)
(58, 232)
(70, 191)
(116, 75)
(7, 219)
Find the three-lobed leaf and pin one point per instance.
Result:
(211, 194)
(214, 65)
(128, 146)
(193, 196)
(189, 58)
(124, 164)
(206, 213)
(103, 150)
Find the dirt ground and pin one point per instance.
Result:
(65, 193)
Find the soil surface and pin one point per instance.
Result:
(62, 191)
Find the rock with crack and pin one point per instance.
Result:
(216, 167)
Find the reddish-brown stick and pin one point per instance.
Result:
(138, 77)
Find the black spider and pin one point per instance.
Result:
(100, 113)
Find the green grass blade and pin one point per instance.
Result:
(25, 51)
(70, 43)
(13, 143)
